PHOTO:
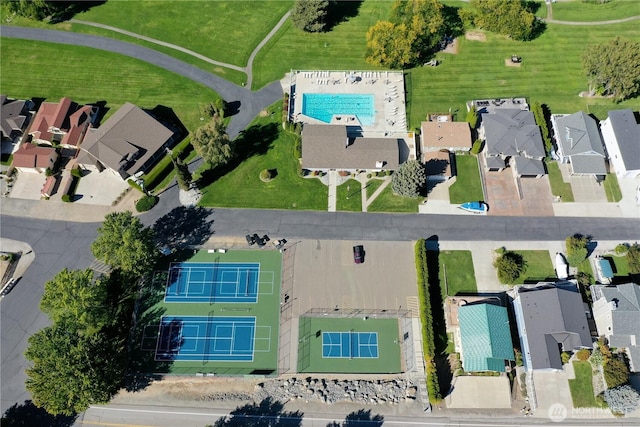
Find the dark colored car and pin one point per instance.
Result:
(358, 254)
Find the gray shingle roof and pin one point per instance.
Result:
(511, 132)
(578, 138)
(325, 147)
(526, 166)
(627, 131)
(495, 162)
(12, 116)
(553, 318)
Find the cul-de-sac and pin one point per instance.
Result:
(338, 213)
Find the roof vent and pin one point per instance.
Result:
(380, 164)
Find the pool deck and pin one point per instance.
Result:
(387, 88)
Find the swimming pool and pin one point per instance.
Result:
(323, 106)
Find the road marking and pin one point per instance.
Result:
(97, 423)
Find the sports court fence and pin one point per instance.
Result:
(356, 312)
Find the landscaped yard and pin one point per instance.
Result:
(373, 185)
(460, 275)
(348, 197)
(585, 267)
(558, 186)
(89, 75)
(539, 266)
(272, 148)
(582, 386)
(612, 189)
(389, 202)
(467, 187)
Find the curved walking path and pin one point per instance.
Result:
(251, 103)
(248, 69)
(592, 23)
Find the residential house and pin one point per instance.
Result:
(621, 135)
(14, 118)
(616, 311)
(31, 158)
(62, 123)
(485, 337)
(579, 143)
(327, 147)
(551, 319)
(129, 142)
(452, 136)
(513, 139)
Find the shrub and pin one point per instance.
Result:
(596, 358)
(368, 176)
(621, 249)
(76, 172)
(540, 117)
(577, 249)
(297, 148)
(583, 354)
(66, 198)
(266, 175)
(48, 172)
(622, 400)
(633, 258)
(510, 266)
(472, 117)
(409, 179)
(518, 355)
(616, 372)
(146, 203)
(477, 146)
(565, 356)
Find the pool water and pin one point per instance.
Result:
(323, 106)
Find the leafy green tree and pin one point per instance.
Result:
(34, 9)
(613, 68)
(577, 249)
(76, 296)
(633, 258)
(616, 372)
(211, 142)
(70, 371)
(508, 17)
(413, 30)
(183, 176)
(510, 266)
(409, 179)
(124, 243)
(310, 15)
(472, 117)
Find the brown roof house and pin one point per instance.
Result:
(129, 142)
(14, 118)
(33, 159)
(438, 141)
(326, 147)
(62, 123)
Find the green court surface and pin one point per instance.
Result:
(266, 311)
(310, 345)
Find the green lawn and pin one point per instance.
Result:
(349, 199)
(621, 265)
(612, 189)
(582, 387)
(460, 275)
(595, 11)
(585, 267)
(226, 31)
(373, 185)
(88, 75)
(558, 186)
(389, 202)
(539, 266)
(467, 187)
(270, 148)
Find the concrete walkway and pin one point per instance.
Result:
(333, 189)
(367, 201)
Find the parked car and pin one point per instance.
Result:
(358, 254)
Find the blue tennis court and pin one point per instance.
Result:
(204, 338)
(352, 345)
(228, 282)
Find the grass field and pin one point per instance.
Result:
(585, 267)
(266, 146)
(310, 345)
(226, 31)
(348, 197)
(389, 202)
(460, 273)
(558, 186)
(612, 189)
(266, 311)
(88, 75)
(372, 186)
(579, 11)
(467, 187)
(582, 387)
(539, 266)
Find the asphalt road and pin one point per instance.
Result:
(251, 103)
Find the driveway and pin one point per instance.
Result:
(99, 188)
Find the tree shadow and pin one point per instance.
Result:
(341, 11)
(454, 26)
(253, 141)
(267, 413)
(168, 117)
(29, 415)
(66, 10)
(231, 108)
(183, 227)
(363, 418)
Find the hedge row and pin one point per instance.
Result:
(426, 317)
(541, 120)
